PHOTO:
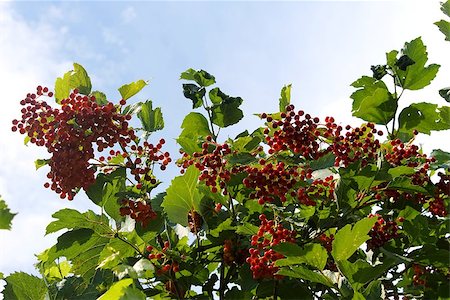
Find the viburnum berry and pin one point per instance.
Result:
(195, 221)
(140, 211)
(262, 257)
(381, 232)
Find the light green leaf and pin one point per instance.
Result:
(194, 126)
(417, 76)
(347, 240)
(442, 159)
(444, 27)
(5, 215)
(117, 290)
(68, 218)
(445, 8)
(424, 117)
(247, 229)
(151, 119)
(22, 286)
(74, 79)
(129, 90)
(201, 77)
(306, 274)
(400, 171)
(285, 97)
(312, 254)
(182, 197)
(372, 102)
(100, 98)
(110, 201)
(41, 162)
(113, 253)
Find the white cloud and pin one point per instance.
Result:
(129, 14)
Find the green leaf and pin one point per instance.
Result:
(117, 290)
(227, 112)
(247, 229)
(129, 90)
(41, 162)
(5, 215)
(444, 27)
(151, 119)
(195, 93)
(194, 126)
(372, 102)
(312, 254)
(424, 117)
(110, 199)
(82, 247)
(100, 98)
(306, 274)
(417, 76)
(445, 8)
(323, 162)
(201, 77)
(347, 240)
(74, 79)
(22, 286)
(442, 159)
(113, 253)
(182, 197)
(401, 171)
(285, 97)
(68, 218)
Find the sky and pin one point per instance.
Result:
(252, 48)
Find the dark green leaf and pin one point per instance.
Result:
(285, 97)
(442, 159)
(445, 93)
(5, 215)
(378, 71)
(22, 286)
(227, 113)
(323, 162)
(403, 62)
(110, 201)
(195, 93)
(347, 240)
(182, 197)
(129, 90)
(424, 117)
(247, 229)
(372, 102)
(151, 119)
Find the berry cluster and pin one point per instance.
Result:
(195, 221)
(233, 253)
(69, 134)
(437, 205)
(381, 232)
(327, 243)
(318, 189)
(162, 259)
(262, 256)
(358, 144)
(420, 273)
(211, 162)
(144, 159)
(273, 181)
(138, 210)
(298, 132)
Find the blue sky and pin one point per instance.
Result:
(253, 49)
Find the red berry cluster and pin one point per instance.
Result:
(420, 274)
(298, 132)
(437, 205)
(142, 159)
(318, 189)
(138, 210)
(273, 181)
(211, 162)
(358, 144)
(326, 241)
(195, 221)
(262, 257)
(234, 253)
(381, 232)
(69, 133)
(163, 260)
